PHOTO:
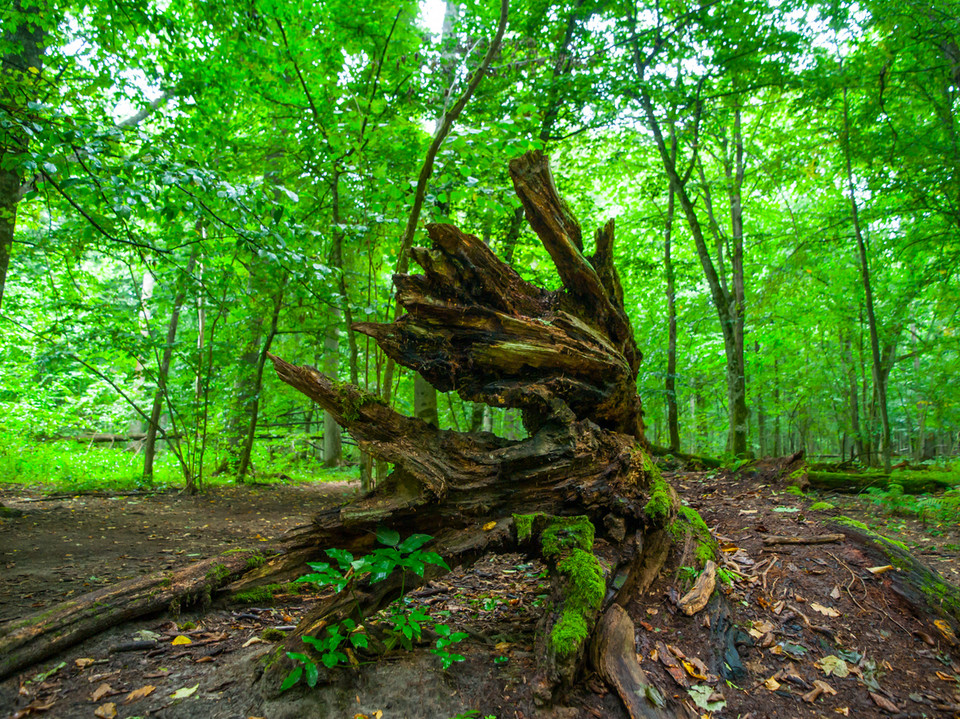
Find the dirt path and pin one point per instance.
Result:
(68, 545)
(763, 646)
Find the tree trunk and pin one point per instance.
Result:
(670, 385)
(251, 430)
(163, 370)
(332, 441)
(23, 72)
(879, 376)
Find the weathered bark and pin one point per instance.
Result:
(567, 359)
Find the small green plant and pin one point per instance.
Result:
(406, 623)
(928, 508)
(447, 638)
(725, 576)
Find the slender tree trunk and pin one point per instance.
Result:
(761, 413)
(777, 437)
(726, 305)
(853, 401)
(673, 422)
(879, 378)
(22, 71)
(163, 369)
(332, 440)
(737, 383)
(426, 170)
(247, 449)
(145, 314)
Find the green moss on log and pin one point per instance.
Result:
(912, 481)
(914, 576)
(660, 507)
(689, 526)
(567, 533)
(524, 525)
(584, 596)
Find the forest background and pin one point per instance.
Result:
(186, 186)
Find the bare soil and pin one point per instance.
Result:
(760, 645)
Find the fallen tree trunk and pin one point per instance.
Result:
(29, 640)
(920, 482)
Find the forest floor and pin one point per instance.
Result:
(817, 634)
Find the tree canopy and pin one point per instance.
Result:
(187, 187)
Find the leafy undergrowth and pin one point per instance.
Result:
(67, 465)
(792, 631)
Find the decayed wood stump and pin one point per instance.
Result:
(569, 361)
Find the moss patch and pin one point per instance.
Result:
(218, 572)
(659, 507)
(524, 525)
(586, 587)
(821, 507)
(690, 525)
(567, 533)
(353, 399)
(271, 634)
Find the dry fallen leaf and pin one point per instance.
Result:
(105, 711)
(488, 526)
(763, 626)
(835, 593)
(824, 687)
(771, 684)
(251, 640)
(843, 710)
(84, 662)
(884, 703)
(880, 570)
(826, 611)
(100, 692)
(181, 640)
(946, 631)
(138, 694)
(692, 670)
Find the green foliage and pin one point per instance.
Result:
(928, 508)
(406, 624)
(821, 507)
